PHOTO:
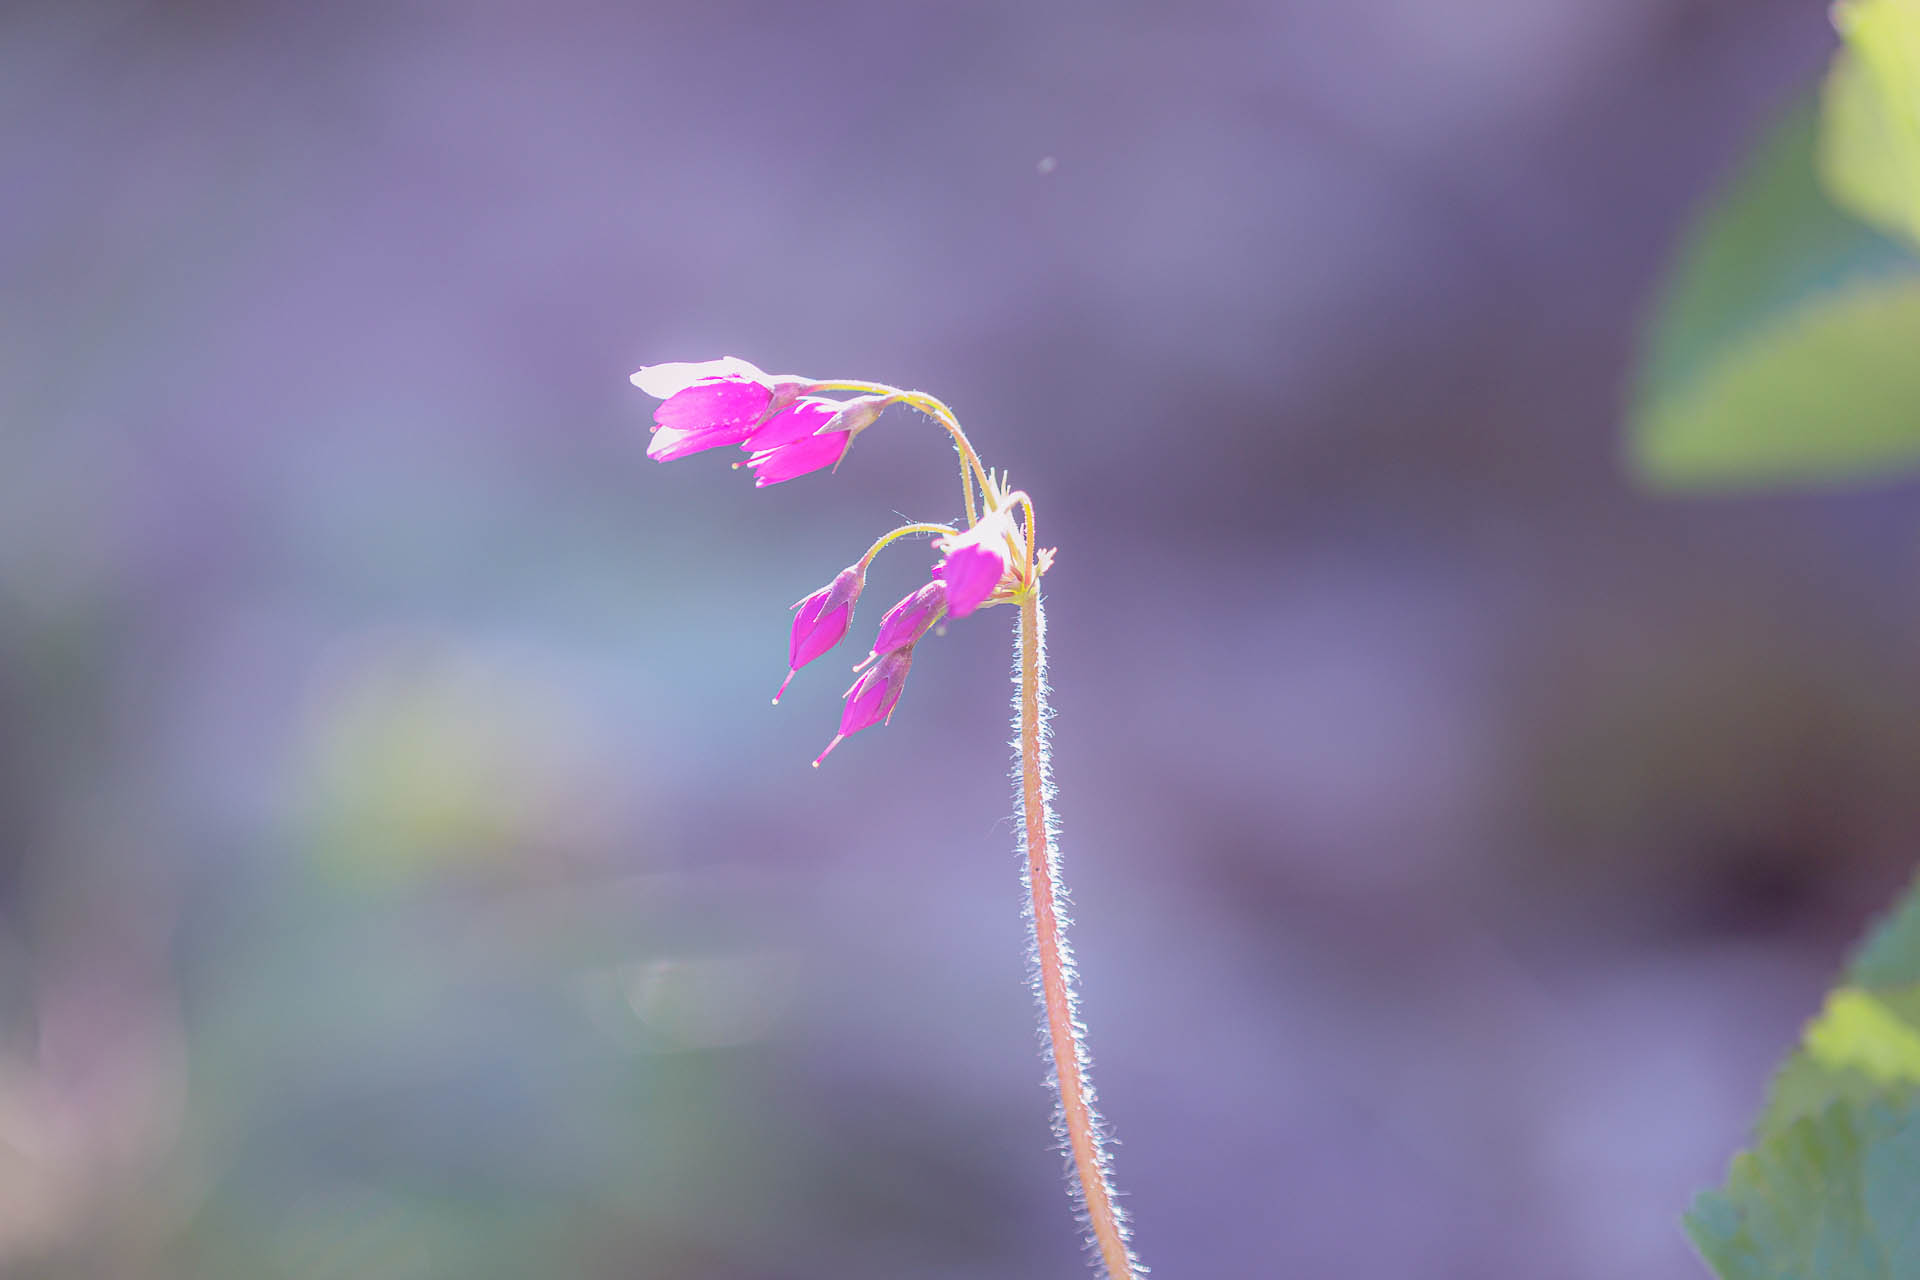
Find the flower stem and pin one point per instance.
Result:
(1076, 1121)
(937, 410)
(905, 530)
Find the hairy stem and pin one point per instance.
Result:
(937, 410)
(1076, 1121)
(904, 531)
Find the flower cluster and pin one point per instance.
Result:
(788, 429)
(784, 431)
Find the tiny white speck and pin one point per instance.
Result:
(1047, 165)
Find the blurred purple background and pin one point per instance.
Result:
(402, 874)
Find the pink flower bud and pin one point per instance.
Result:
(912, 618)
(821, 621)
(872, 698)
(858, 414)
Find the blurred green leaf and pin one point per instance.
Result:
(1807, 1087)
(1831, 1184)
(1890, 957)
(1867, 1032)
(1864, 1045)
(1781, 348)
(1870, 136)
(1828, 392)
(1831, 1197)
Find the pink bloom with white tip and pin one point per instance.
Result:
(793, 450)
(710, 403)
(976, 561)
(821, 621)
(872, 698)
(905, 623)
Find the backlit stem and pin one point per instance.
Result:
(903, 531)
(1077, 1121)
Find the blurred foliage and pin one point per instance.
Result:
(1831, 1196)
(1781, 351)
(1829, 1186)
(1870, 138)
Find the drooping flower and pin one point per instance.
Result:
(786, 455)
(821, 621)
(710, 403)
(872, 697)
(904, 624)
(977, 560)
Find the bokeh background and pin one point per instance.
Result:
(402, 874)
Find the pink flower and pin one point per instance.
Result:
(971, 574)
(911, 619)
(790, 452)
(976, 561)
(821, 622)
(872, 698)
(710, 403)
(803, 418)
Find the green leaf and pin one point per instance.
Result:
(1890, 957)
(1832, 1197)
(1829, 392)
(1870, 138)
(1805, 1087)
(1865, 1031)
(1831, 1187)
(1738, 385)
(1865, 1045)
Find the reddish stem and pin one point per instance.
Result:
(1077, 1120)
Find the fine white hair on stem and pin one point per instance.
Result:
(1076, 1118)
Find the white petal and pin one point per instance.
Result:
(663, 380)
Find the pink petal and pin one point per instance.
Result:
(971, 573)
(712, 403)
(792, 424)
(669, 443)
(785, 463)
(663, 380)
